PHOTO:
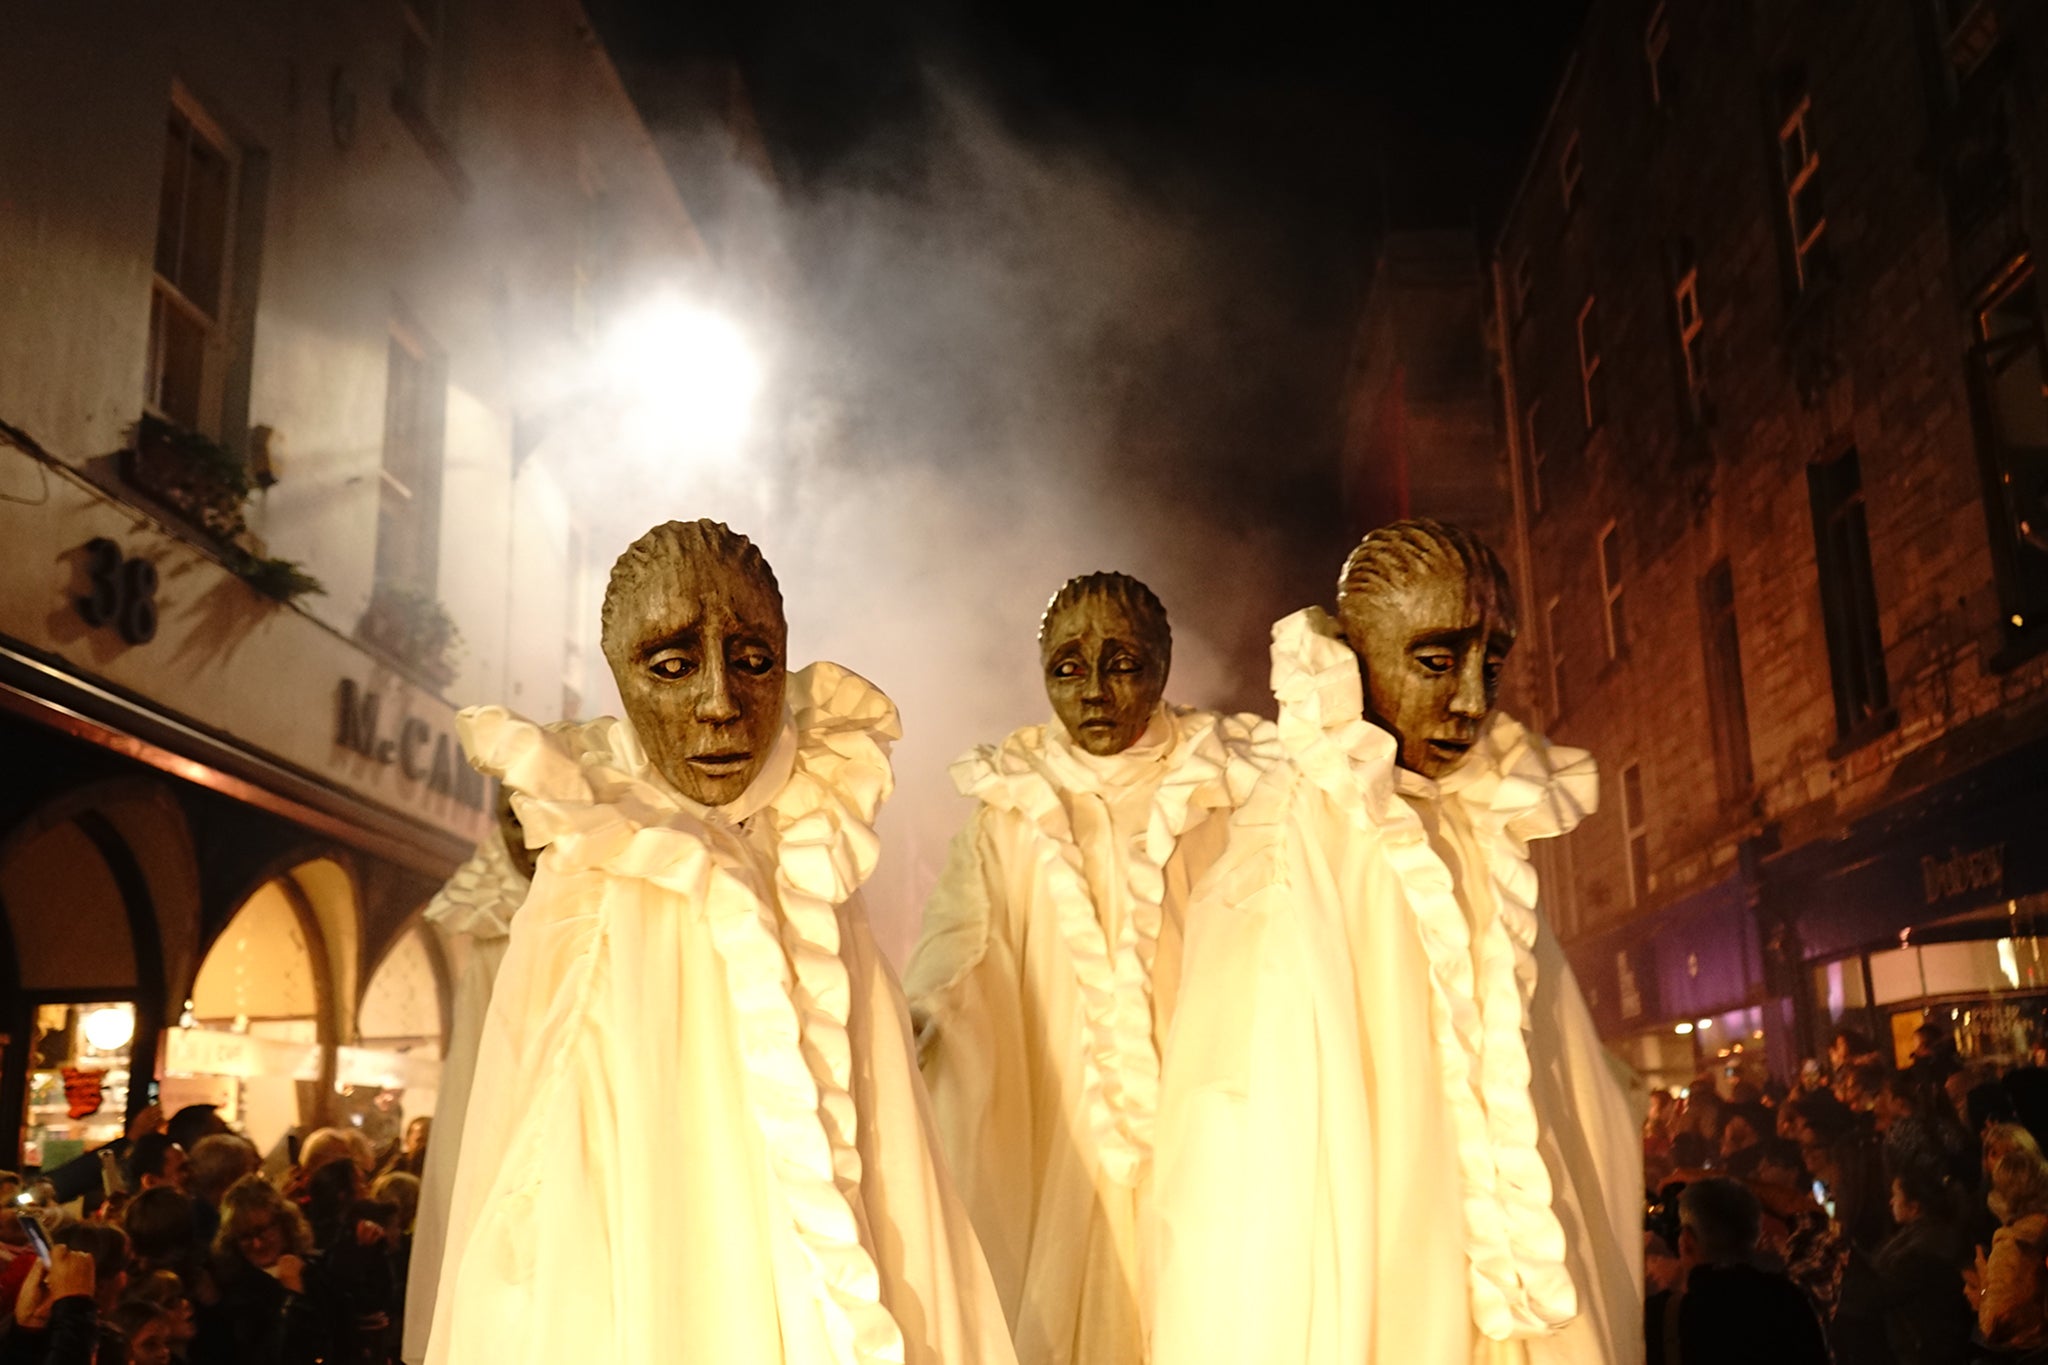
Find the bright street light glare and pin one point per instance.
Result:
(683, 376)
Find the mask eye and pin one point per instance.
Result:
(1436, 661)
(669, 667)
(1067, 668)
(755, 662)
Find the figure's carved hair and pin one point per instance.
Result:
(1137, 600)
(1392, 558)
(676, 542)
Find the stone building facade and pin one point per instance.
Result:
(1771, 356)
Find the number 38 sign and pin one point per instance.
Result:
(123, 592)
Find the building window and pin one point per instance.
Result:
(1636, 829)
(189, 285)
(1589, 363)
(409, 484)
(1553, 625)
(1727, 705)
(1532, 442)
(1656, 46)
(1611, 590)
(1685, 303)
(1799, 167)
(2009, 372)
(1848, 597)
(1571, 173)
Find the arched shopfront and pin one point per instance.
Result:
(155, 930)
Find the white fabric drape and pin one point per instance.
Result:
(696, 1131)
(479, 902)
(1045, 979)
(1388, 1131)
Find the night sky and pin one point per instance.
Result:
(1305, 130)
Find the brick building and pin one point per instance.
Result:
(290, 297)
(1772, 369)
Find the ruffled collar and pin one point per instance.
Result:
(483, 895)
(1200, 762)
(776, 928)
(1512, 787)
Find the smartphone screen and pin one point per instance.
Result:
(37, 1238)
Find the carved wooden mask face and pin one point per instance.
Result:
(1431, 652)
(700, 663)
(1104, 673)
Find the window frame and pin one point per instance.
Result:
(1589, 363)
(1613, 586)
(1553, 625)
(1798, 123)
(1635, 833)
(1851, 615)
(170, 296)
(1571, 172)
(1656, 43)
(1727, 692)
(1687, 292)
(1532, 442)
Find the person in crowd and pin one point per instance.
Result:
(193, 1124)
(168, 1293)
(351, 1286)
(56, 1314)
(160, 1234)
(1918, 1130)
(411, 1156)
(1742, 1128)
(401, 1190)
(1845, 1156)
(321, 1147)
(1860, 1083)
(148, 1330)
(218, 1161)
(1725, 1307)
(1928, 1320)
(2007, 1286)
(108, 1247)
(1846, 1046)
(258, 1311)
(156, 1162)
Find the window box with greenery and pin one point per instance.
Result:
(414, 630)
(208, 487)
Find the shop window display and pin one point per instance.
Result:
(78, 1079)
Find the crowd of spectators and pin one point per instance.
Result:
(180, 1243)
(1869, 1214)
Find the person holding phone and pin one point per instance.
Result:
(57, 1309)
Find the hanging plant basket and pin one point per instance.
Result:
(414, 629)
(191, 476)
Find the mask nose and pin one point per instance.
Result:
(1469, 701)
(715, 704)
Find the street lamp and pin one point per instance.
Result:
(676, 378)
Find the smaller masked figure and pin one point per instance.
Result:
(1045, 980)
(1388, 1130)
(696, 1131)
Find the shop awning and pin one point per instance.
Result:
(1698, 956)
(1977, 839)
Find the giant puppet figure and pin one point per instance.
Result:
(1045, 980)
(696, 1131)
(1387, 1131)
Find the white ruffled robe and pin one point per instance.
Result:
(697, 1132)
(1046, 979)
(1388, 1131)
(478, 902)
